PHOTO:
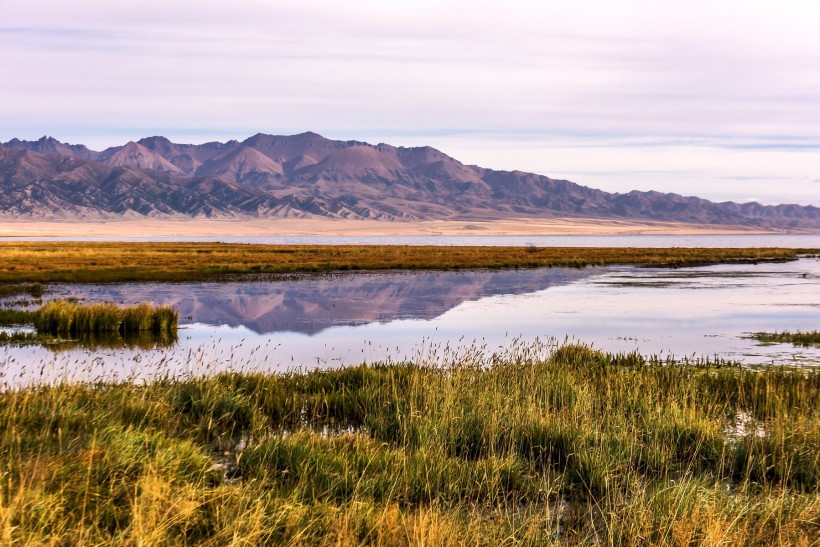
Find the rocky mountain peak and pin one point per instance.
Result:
(309, 175)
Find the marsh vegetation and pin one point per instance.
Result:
(34, 290)
(127, 262)
(797, 338)
(530, 445)
(73, 318)
(65, 323)
(523, 446)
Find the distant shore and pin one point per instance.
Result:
(125, 262)
(332, 227)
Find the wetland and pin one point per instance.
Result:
(307, 321)
(551, 396)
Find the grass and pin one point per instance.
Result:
(64, 317)
(522, 447)
(35, 290)
(37, 262)
(11, 316)
(797, 338)
(64, 324)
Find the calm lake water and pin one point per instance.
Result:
(345, 319)
(804, 241)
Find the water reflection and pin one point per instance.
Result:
(329, 321)
(312, 303)
(143, 341)
(25, 335)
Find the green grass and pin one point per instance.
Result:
(796, 338)
(523, 447)
(64, 317)
(64, 324)
(130, 262)
(10, 316)
(35, 290)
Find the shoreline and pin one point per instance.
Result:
(335, 227)
(113, 262)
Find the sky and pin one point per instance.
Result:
(719, 99)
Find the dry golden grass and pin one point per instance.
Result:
(123, 262)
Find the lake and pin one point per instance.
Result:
(793, 241)
(332, 320)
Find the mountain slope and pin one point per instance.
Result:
(136, 155)
(309, 175)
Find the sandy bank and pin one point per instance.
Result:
(327, 227)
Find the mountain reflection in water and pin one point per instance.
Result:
(328, 321)
(313, 303)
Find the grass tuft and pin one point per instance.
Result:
(798, 338)
(64, 317)
(63, 324)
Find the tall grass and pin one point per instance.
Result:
(63, 324)
(521, 447)
(64, 317)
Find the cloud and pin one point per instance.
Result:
(629, 69)
(611, 76)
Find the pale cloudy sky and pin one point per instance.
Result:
(715, 98)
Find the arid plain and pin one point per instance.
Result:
(334, 227)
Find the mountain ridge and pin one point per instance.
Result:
(308, 175)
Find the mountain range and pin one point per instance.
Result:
(307, 175)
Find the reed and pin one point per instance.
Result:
(63, 324)
(64, 317)
(521, 446)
